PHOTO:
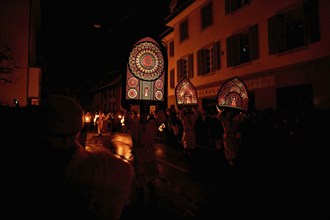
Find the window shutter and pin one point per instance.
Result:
(227, 7)
(207, 15)
(312, 21)
(172, 78)
(272, 44)
(229, 51)
(199, 63)
(191, 66)
(274, 32)
(254, 42)
(216, 55)
(171, 48)
(236, 50)
(180, 69)
(184, 30)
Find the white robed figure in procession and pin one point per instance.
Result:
(99, 120)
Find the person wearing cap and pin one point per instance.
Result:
(103, 180)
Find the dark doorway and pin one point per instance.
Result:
(252, 101)
(295, 97)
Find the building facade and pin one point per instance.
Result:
(107, 95)
(279, 49)
(20, 72)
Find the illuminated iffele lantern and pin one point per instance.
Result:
(145, 75)
(185, 93)
(233, 94)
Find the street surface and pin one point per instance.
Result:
(263, 185)
(181, 185)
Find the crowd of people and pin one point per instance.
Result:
(190, 127)
(50, 175)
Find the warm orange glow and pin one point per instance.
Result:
(97, 25)
(88, 117)
(89, 148)
(161, 127)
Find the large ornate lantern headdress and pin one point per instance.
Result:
(145, 75)
(185, 93)
(233, 94)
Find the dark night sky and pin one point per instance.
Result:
(76, 53)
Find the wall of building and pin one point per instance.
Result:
(304, 65)
(107, 96)
(14, 29)
(15, 35)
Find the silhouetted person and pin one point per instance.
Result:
(86, 185)
(173, 128)
(231, 121)
(143, 133)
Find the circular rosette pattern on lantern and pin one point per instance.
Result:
(146, 61)
(132, 82)
(158, 95)
(132, 93)
(159, 84)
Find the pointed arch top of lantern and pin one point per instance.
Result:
(185, 93)
(233, 94)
